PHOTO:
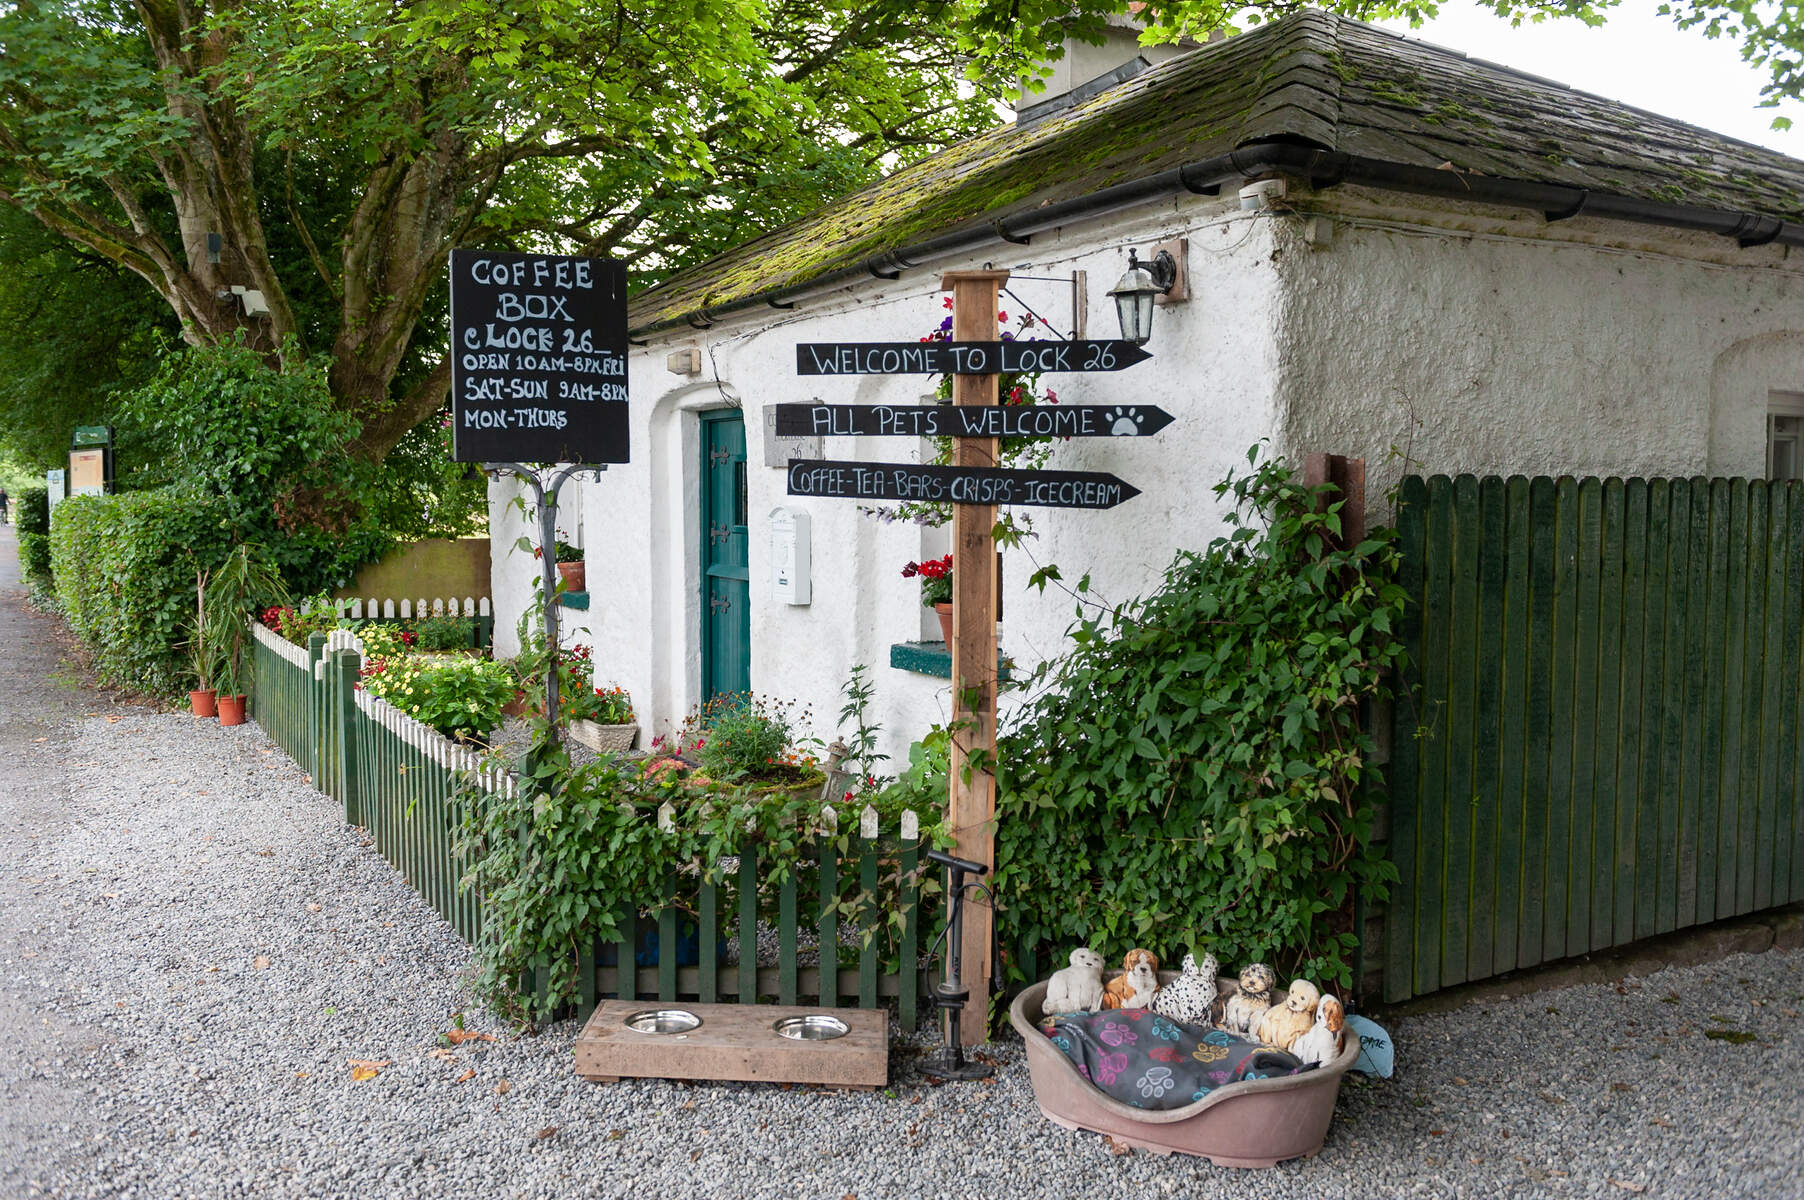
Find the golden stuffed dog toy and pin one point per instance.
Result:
(1285, 1023)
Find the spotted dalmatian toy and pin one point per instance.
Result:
(1188, 997)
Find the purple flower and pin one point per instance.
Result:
(946, 323)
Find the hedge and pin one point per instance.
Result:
(124, 568)
(31, 512)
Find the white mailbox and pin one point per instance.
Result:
(789, 575)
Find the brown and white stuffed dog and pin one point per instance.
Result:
(1287, 1022)
(1247, 1006)
(1322, 1044)
(1135, 986)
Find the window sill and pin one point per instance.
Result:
(934, 658)
(574, 599)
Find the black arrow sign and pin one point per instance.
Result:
(945, 420)
(957, 485)
(963, 358)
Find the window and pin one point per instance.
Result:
(1785, 435)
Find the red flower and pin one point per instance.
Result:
(947, 302)
(1002, 316)
(1052, 397)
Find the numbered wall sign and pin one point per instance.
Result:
(538, 358)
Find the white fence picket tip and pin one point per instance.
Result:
(829, 819)
(867, 822)
(911, 825)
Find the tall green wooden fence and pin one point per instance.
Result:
(404, 783)
(1597, 734)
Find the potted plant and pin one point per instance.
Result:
(241, 585)
(600, 718)
(200, 654)
(936, 589)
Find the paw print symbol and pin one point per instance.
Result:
(1124, 422)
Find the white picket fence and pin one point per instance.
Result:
(406, 610)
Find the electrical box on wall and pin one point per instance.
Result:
(789, 574)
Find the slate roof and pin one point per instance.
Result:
(1312, 80)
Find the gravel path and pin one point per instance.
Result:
(200, 948)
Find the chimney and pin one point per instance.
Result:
(1085, 70)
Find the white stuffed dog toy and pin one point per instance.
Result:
(1078, 987)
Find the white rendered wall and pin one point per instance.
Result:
(1496, 343)
(1213, 369)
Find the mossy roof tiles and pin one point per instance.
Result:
(1311, 79)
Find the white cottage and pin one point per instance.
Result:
(1388, 250)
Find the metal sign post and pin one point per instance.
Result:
(544, 493)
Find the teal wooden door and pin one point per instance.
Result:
(726, 594)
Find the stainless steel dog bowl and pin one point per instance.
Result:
(815, 1027)
(663, 1020)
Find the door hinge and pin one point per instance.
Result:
(719, 456)
(719, 604)
(719, 533)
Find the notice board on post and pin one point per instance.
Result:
(538, 358)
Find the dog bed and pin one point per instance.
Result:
(1252, 1123)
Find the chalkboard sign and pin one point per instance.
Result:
(970, 420)
(538, 358)
(957, 485)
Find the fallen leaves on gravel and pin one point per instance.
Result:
(615, 1135)
(1117, 1148)
(363, 1068)
(446, 1055)
(260, 962)
(458, 1037)
(1626, 1186)
(313, 908)
(503, 1088)
(467, 1076)
(550, 1131)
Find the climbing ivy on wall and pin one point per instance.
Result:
(1194, 773)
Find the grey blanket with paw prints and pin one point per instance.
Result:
(1149, 1061)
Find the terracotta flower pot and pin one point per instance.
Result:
(576, 575)
(201, 701)
(231, 710)
(944, 613)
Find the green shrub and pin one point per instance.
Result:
(31, 513)
(460, 697)
(749, 739)
(125, 571)
(1194, 773)
(445, 633)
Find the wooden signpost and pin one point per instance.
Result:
(963, 357)
(974, 485)
(937, 420)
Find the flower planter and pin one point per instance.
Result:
(576, 575)
(609, 739)
(231, 710)
(202, 702)
(944, 613)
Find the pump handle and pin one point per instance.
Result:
(957, 864)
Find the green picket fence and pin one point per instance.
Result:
(1597, 733)
(407, 785)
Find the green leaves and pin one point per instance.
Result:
(1198, 754)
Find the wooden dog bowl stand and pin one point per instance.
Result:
(734, 1042)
